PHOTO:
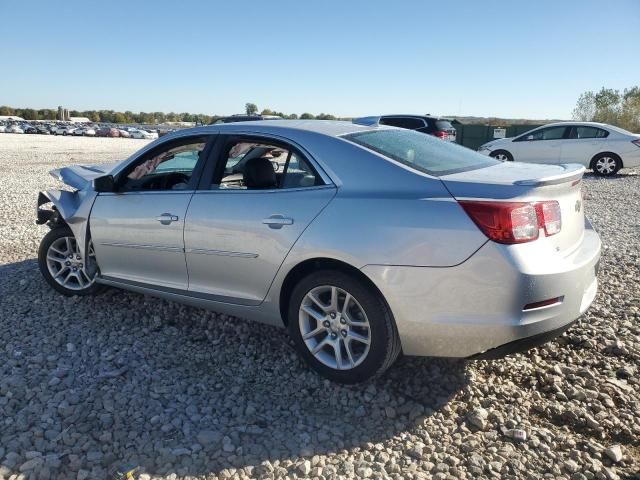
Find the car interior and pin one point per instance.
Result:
(262, 166)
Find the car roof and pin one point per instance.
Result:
(332, 128)
(412, 115)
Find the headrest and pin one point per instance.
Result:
(259, 173)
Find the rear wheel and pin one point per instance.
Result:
(61, 264)
(502, 155)
(606, 164)
(342, 328)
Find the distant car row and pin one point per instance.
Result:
(79, 130)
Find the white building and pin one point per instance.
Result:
(79, 120)
(11, 118)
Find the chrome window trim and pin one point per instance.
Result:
(260, 190)
(148, 192)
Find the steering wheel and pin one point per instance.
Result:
(170, 180)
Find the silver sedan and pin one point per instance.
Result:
(364, 241)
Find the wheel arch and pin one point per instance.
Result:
(599, 154)
(310, 265)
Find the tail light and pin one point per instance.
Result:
(514, 222)
(636, 142)
(549, 217)
(441, 134)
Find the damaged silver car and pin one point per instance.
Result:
(365, 241)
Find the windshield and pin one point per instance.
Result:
(421, 152)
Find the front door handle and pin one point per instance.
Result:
(167, 218)
(277, 221)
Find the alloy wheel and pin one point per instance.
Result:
(64, 263)
(606, 165)
(502, 157)
(334, 327)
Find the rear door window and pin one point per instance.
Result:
(422, 152)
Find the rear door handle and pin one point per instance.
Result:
(277, 221)
(167, 218)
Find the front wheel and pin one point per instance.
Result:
(61, 264)
(342, 327)
(502, 155)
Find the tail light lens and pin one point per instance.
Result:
(514, 222)
(441, 134)
(636, 142)
(504, 222)
(549, 217)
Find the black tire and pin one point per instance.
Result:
(601, 164)
(53, 235)
(384, 346)
(502, 155)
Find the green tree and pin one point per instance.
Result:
(4, 110)
(307, 116)
(119, 117)
(610, 106)
(267, 111)
(251, 108)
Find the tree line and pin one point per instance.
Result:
(111, 116)
(252, 109)
(610, 106)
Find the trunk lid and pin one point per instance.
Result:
(519, 182)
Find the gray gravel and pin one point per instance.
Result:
(91, 385)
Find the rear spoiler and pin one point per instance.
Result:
(573, 173)
(367, 121)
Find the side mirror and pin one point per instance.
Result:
(103, 184)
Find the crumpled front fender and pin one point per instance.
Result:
(72, 207)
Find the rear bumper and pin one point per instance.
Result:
(478, 305)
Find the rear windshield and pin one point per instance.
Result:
(422, 152)
(444, 125)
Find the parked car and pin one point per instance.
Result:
(124, 133)
(14, 129)
(142, 134)
(603, 148)
(42, 130)
(438, 127)
(65, 130)
(370, 241)
(30, 129)
(3, 129)
(107, 132)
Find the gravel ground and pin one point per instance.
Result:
(93, 384)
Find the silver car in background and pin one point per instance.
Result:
(364, 241)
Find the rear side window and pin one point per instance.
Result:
(403, 122)
(444, 125)
(587, 132)
(421, 152)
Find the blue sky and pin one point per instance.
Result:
(488, 58)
